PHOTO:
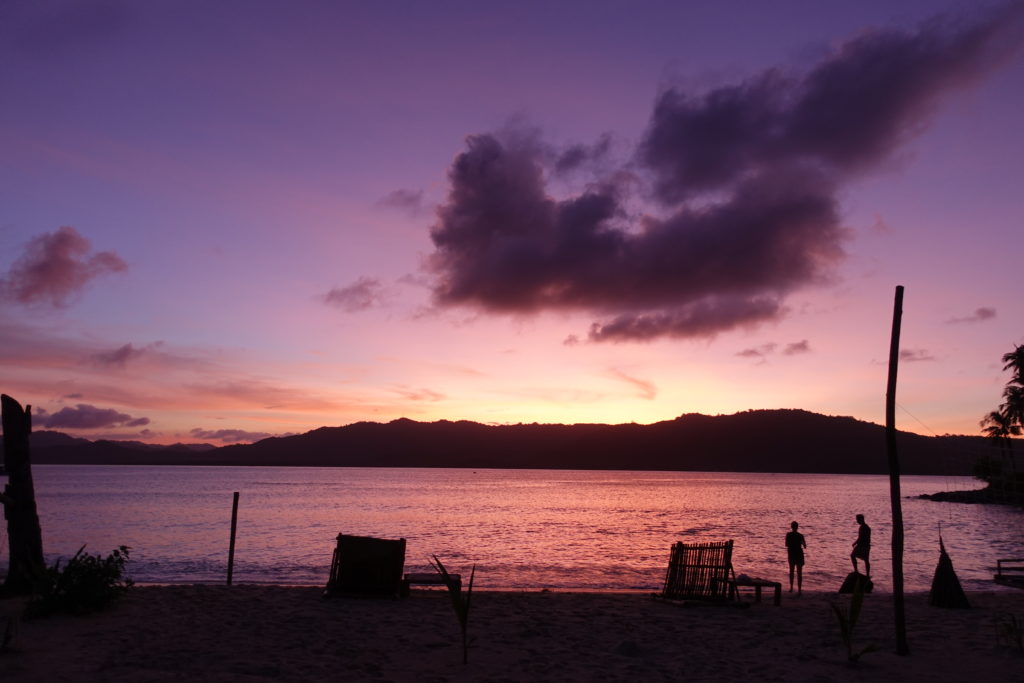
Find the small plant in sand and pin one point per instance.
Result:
(8, 630)
(847, 618)
(1010, 631)
(85, 584)
(460, 601)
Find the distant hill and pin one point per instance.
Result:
(752, 441)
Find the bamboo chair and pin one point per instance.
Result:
(363, 565)
(699, 571)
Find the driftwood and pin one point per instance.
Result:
(24, 537)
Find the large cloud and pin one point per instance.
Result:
(56, 266)
(85, 416)
(747, 176)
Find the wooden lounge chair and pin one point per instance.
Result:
(699, 571)
(363, 565)
(1010, 572)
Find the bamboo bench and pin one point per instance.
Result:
(1010, 572)
(757, 585)
(427, 579)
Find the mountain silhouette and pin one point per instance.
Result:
(751, 441)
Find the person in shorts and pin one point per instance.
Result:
(862, 546)
(795, 545)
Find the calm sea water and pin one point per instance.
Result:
(526, 529)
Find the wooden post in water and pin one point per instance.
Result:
(231, 546)
(894, 479)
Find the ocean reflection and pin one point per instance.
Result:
(522, 528)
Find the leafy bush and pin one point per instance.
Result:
(85, 584)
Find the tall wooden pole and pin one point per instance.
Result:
(894, 479)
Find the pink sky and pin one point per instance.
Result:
(220, 221)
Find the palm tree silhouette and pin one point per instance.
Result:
(1003, 424)
(1015, 361)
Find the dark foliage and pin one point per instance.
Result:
(87, 583)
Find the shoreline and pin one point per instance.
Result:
(995, 588)
(251, 632)
(983, 496)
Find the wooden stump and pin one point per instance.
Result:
(24, 537)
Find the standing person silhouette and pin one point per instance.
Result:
(795, 545)
(862, 546)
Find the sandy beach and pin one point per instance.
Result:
(262, 633)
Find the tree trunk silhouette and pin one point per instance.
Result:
(24, 537)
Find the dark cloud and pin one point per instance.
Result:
(118, 357)
(403, 199)
(796, 348)
(915, 355)
(765, 350)
(54, 267)
(702, 319)
(845, 115)
(85, 416)
(229, 435)
(578, 155)
(980, 315)
(759, 352)
(748, 176)
(362, 294)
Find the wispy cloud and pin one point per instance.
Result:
(759, 351)
(55, 267)
(364, 293)
(243, 392)
(797, 348)
(646, 389)
(422, 394)
(915, 355)
(229, 435)
(764, 350)
(410, 201)
(980, 315)
(120, 356)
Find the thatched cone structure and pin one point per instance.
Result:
(946, 590)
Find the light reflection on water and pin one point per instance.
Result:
(523, 528)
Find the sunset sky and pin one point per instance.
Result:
(226, 220)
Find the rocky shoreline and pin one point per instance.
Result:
(986, 495)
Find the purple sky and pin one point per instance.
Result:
(220, 221)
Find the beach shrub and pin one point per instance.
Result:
(85, 584)
(847, 618)
(460, 601)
